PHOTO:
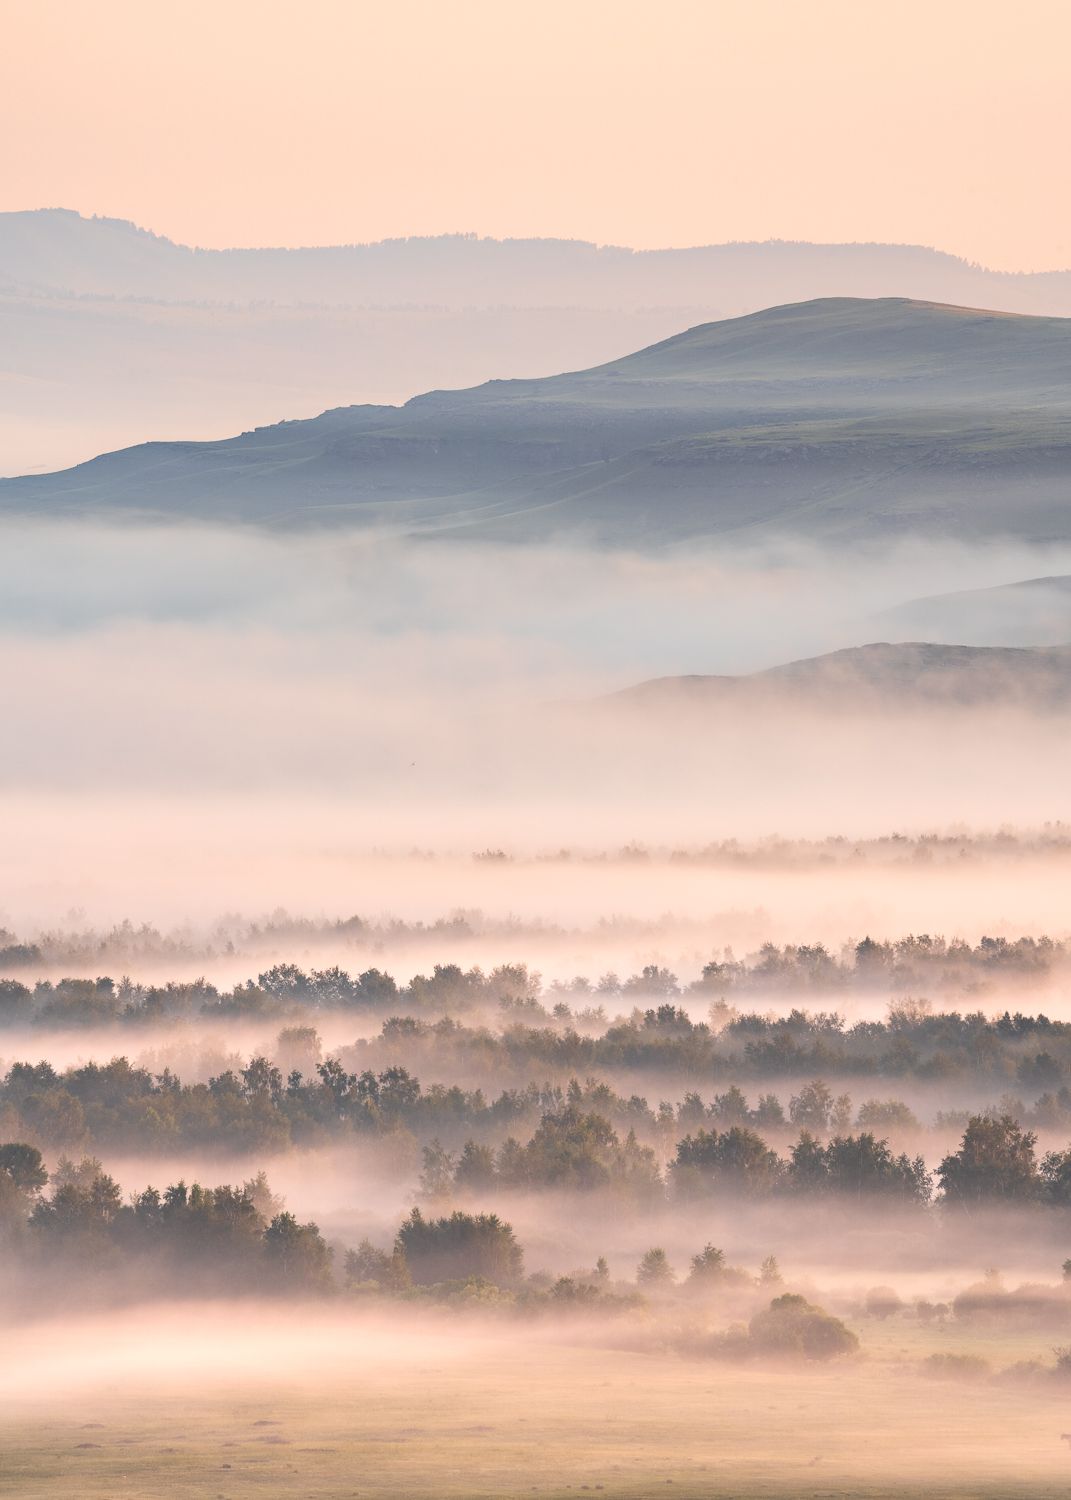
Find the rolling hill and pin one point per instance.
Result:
(111, 335)
(1033, 612)
(840, 419)
(911, 675)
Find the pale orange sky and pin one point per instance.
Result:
(640, 122)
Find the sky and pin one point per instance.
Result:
(253, 122)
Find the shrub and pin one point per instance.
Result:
(795, 1327)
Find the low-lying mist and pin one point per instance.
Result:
(206, 720)
(586, 1047)
(172, 889)
(308, 1402)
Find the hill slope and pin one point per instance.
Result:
(111, 335)
(879, 676)
(832, 419)
(1033, 612)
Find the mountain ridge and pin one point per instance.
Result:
(113, 334)
(836, 418)
(61, 250)
(894, 675)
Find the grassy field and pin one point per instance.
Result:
(503, 1413)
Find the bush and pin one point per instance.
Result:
(882, 1302)
(795, 1327)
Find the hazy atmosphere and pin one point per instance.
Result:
(609, 121)
(535, 633)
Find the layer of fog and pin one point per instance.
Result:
(201, 721)
(70, 868)
(561, 613)
(320, 1401)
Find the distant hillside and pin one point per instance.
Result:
(880, 676)
(1035, 612)
(57, 250)
(833, 420)
(111, 335)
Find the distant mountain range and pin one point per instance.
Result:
(111, 335)
(913, 675)
(839, 419)
(58, 251)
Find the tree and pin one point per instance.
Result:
(730, 1108)
(262, 1080)
(567, 1289)
(1056, 1177)
(367, 1265)
(258, 1190)
(886, 1114)
(510, 1162)
(655, 1271)
(736, 1161)
(459, 1247)
(995, 1163)
(808, 1170)
(857, 1165)
(812, 1106)
(77, 1217)
(651, 980)
(572, 1148)
(475, 1167)
(707, 1267)
(284, 982)
(374, 988)
(339, 1086)
(16, 1002)
(437, 1174)
(12, 1213)
(23, 1164)
(298, 1049)
(770, 1272)
(863, 1166)
(296, 1255)
(768, 1112)
(840, 1118)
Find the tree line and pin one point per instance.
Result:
(263, 1106)
(912, 963)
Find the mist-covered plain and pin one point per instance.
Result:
(535, 827)
(483, 1017)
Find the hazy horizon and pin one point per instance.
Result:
(529, 111)
(470, 232)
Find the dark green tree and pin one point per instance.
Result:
(296, 1256)
(23, 1164)
(460, 1247)
(736, 1161)
(995, 1163)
